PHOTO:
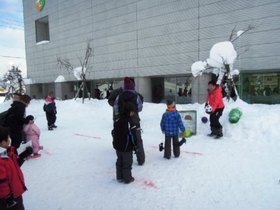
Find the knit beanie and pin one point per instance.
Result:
(129, 83)
(170, 103)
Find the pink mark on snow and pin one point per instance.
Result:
(192, 153)
(45, 152)
(186, 152)
(150, 183)
(87, 136)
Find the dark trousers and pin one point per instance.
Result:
(167, 146)
(140, 153)
(124, 166)
(215, 125)
(18, 206)
(51, 118)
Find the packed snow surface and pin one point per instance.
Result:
(76, 171)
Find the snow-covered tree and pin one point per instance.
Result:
(220, 63)
(13, 82)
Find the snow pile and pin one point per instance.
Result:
(78, 72)
(77, 167)
(60, 78)
(220, 54)
(42, 42)
(198, 67)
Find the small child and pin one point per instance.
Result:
(170, 124)
(215, 107)
(50, 109)
(12, 184)
(124, 143)
(32, 132)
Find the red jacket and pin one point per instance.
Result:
(215, 99)
(11, 176)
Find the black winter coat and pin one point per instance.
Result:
(15, 117)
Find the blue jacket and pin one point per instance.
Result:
(171, 122)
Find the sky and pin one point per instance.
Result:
(12, 46)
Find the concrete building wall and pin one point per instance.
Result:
(144, 38)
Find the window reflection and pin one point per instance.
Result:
(261, 87)
(178, 89)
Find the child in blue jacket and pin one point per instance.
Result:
(170, 124)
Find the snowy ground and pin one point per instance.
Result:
(239, 172)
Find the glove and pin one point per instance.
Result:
(10, 201)
(208, 109)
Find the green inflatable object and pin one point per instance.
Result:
(235, 115)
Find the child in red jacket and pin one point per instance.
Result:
(214, 107)
(12, 184)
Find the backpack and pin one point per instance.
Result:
(123, 138)
(3, 117)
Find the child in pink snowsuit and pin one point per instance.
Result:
(32, 132)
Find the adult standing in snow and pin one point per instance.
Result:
(50, 109)
(124, 95)
(214, 107)
(124, 142)
(15, 118)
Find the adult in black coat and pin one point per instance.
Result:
(125, 95)
(15, 118)
(124, 142)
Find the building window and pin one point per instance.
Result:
(178, 89)
(42, 29)
(260, 87)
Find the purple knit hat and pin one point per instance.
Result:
(129, 83)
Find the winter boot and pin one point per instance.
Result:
(129, 181)
(183, 141)
(53, 126)
(219, 133)
(213, 132)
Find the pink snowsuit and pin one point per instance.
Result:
(33, 134)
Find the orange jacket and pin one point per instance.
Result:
(215, 99)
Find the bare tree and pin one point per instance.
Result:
(66, 65)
